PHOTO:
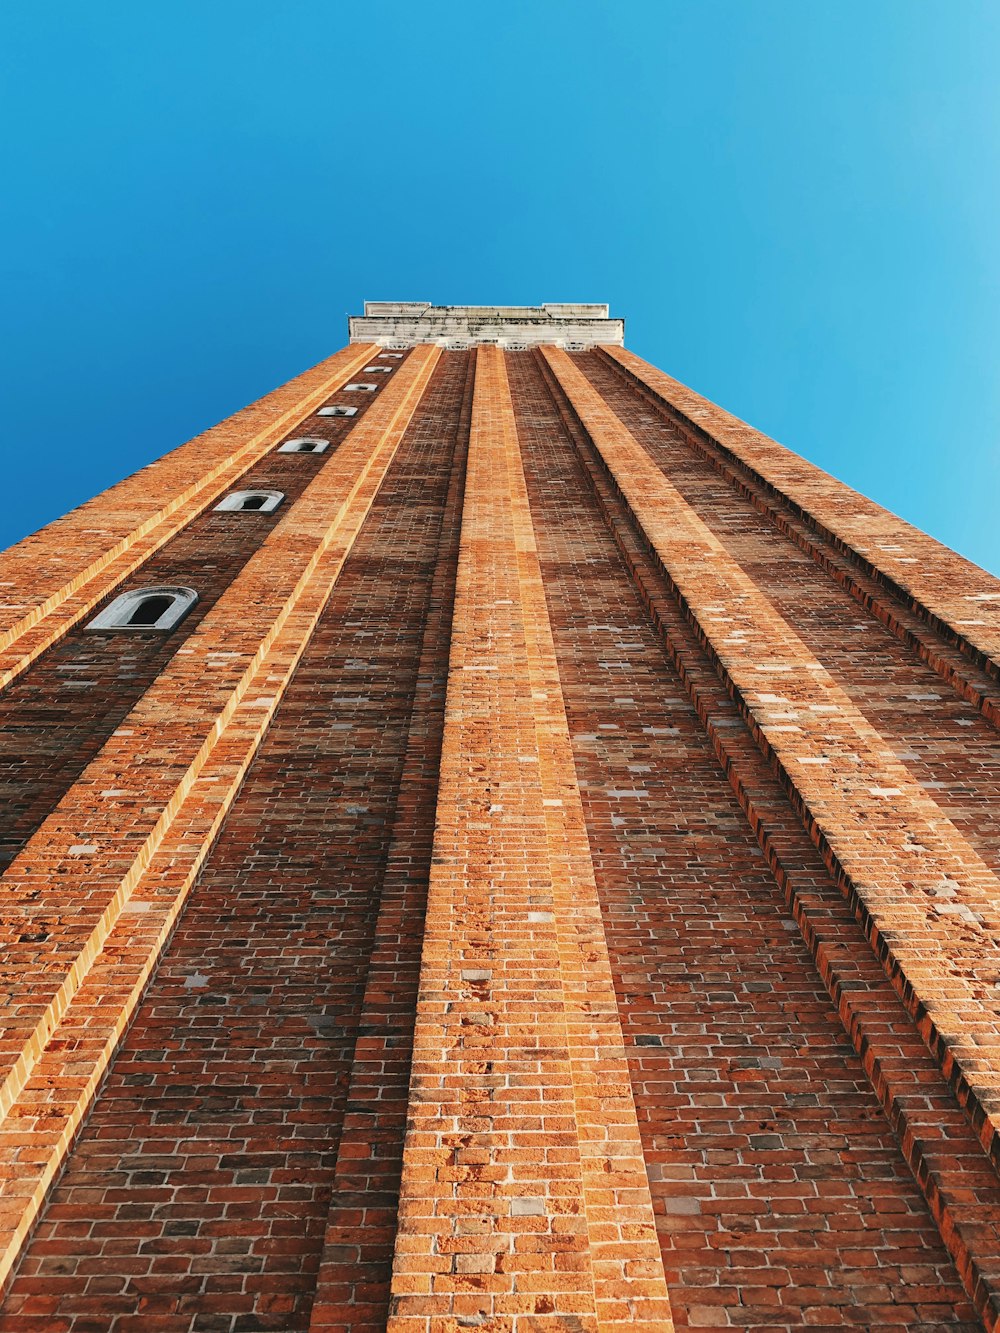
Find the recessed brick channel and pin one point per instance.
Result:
(783, 1199)
(196, 1197)
(55, 577)
(524, 1200)
(352, 1286)
(942, 738)
(57, 714)
(930, 904)
(958, 595)
(163, 783)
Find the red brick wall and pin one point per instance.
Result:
(737, 741)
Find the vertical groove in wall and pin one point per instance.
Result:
(352, 1287)
(928, 903)
(888, 604)
(165, 782)
(524, 1190)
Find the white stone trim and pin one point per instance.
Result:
(304, 444)
(233, 503)
(118, 613)
(403, 324)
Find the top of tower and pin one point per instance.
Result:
(404, 323)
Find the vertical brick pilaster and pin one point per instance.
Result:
(524, 1191)
(61, 572)
(928, 903)
(133, 832)
(352, 1285)
(951, 591)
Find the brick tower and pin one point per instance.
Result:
(493, 842)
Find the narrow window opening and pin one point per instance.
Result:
(146, 608)
(265, 502)
(306, 444)
(149, 610)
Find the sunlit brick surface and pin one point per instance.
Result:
(524, 1193)
(548, 882)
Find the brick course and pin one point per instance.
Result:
(523, 1192)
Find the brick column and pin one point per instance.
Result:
(524, 1197)
(60, 573)
(952, 591)
(929, 905)
(90, 901)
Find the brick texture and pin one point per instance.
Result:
(548, 881)
(55, 717)
(197, 1195)
(352, 1288)
(162, 786)
(781, 1197)
(524, 1192)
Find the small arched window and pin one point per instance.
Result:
(265, 502)
(307, 444)
(337, 412)
(159, 608)
(360, 387)
(378, 370)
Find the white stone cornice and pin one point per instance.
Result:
(406, 323)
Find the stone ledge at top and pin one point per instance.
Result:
(405, 323)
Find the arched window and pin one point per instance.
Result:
(265, 502)
(378, 370)
(360, 387)
(337, 412)
(159, 608)
(308, 444)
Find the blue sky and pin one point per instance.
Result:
(794, 204)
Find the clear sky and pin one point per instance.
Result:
(794, 204)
